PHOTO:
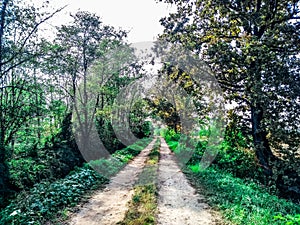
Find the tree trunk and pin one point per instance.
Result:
(261, 144)
(4, 172)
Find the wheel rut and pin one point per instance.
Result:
(178, 201)
(108, 206)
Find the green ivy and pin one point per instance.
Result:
(45, 198)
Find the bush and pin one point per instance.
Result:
(239, 161)
(170, 135)
(25, 172)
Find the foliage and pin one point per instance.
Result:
(138, 126)
(84, 46)
(45, 199)
(51, 157)
(138, 115)
(118, 159)
(173, 145)
(233, 153)
(289, 219)
(240, 201)
(170, 135)
(239, 161)
(21, 87)
(165, 111)
(26, 172)
(252, 47)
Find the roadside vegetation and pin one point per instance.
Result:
(234, 188)
(243, 201)
(49, 201)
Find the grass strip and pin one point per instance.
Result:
(119, 159)
(143, 206)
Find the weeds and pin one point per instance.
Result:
(142, 208)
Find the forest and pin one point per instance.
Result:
(78, 106)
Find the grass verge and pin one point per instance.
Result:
(240, 201)
(118, 160)
(142, 207)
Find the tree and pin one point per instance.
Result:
(77, 47)
(252, 47)
(20, 47)
(165, 111)
(95, 64)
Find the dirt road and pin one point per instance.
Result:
(178, 202)
(108, 206)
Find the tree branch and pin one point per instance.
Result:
(29, 35)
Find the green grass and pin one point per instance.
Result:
(240, 201)
(172, 145)
(142, 207)
(119, 159)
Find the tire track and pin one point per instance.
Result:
(178, 202)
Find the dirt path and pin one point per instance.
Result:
(108, 206)
(178, 203)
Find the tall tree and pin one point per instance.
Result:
(95, 63)
(253, 49)
(77, 47)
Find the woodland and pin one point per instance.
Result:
(58, 96)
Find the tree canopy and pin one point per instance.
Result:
(253, 49)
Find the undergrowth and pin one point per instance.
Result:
(45, 198)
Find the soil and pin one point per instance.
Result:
(178, 202)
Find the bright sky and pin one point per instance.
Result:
(140, 17)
